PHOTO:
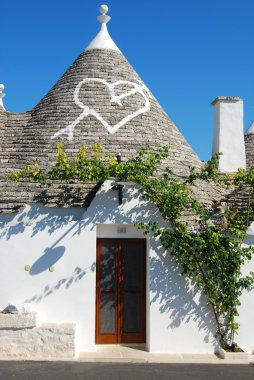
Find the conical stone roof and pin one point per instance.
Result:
(100, 99)
(249, 146)
(85, 107)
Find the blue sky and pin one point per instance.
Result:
(188, 52)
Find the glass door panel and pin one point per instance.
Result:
(132, 290)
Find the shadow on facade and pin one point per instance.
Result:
(66, 283)
(47, 260)
(104, 208)
(177, 296)
(39, 218)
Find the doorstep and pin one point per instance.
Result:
(138, 354)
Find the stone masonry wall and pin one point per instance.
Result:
(249, 148)
(20, 338)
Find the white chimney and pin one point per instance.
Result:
(228, 137)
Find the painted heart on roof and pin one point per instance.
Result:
(138, 87)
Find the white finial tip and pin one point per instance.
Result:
(104, 9)
(2, 95)
(103, 18)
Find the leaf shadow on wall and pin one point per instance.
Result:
(38, 218)
(177, 296)
(105, 209)
(35, 218)
(246, 268)
(52, 254)
(65, 283)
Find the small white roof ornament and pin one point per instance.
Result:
(104, 18)
(250, 130)
(103, 39)
(2, 94)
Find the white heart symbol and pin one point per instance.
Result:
(137, 88)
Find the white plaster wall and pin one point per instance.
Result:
(41, 238)
(178, 319)
(229, 135)
(245, 336)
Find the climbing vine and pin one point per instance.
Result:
(211, 252)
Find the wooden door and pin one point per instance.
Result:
(121, 291)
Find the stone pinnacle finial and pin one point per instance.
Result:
(2, 94)
(103, 39)
(103, 18)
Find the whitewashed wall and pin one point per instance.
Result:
(245, 336)
(178, 320)
(41, 238)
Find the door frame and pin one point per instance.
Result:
(116, 337)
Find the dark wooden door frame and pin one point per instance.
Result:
(120, 337)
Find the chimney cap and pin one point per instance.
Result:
(222, 98)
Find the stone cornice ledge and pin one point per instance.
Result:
(228, 98)
(17, 321)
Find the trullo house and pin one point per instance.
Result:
(62, 248)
